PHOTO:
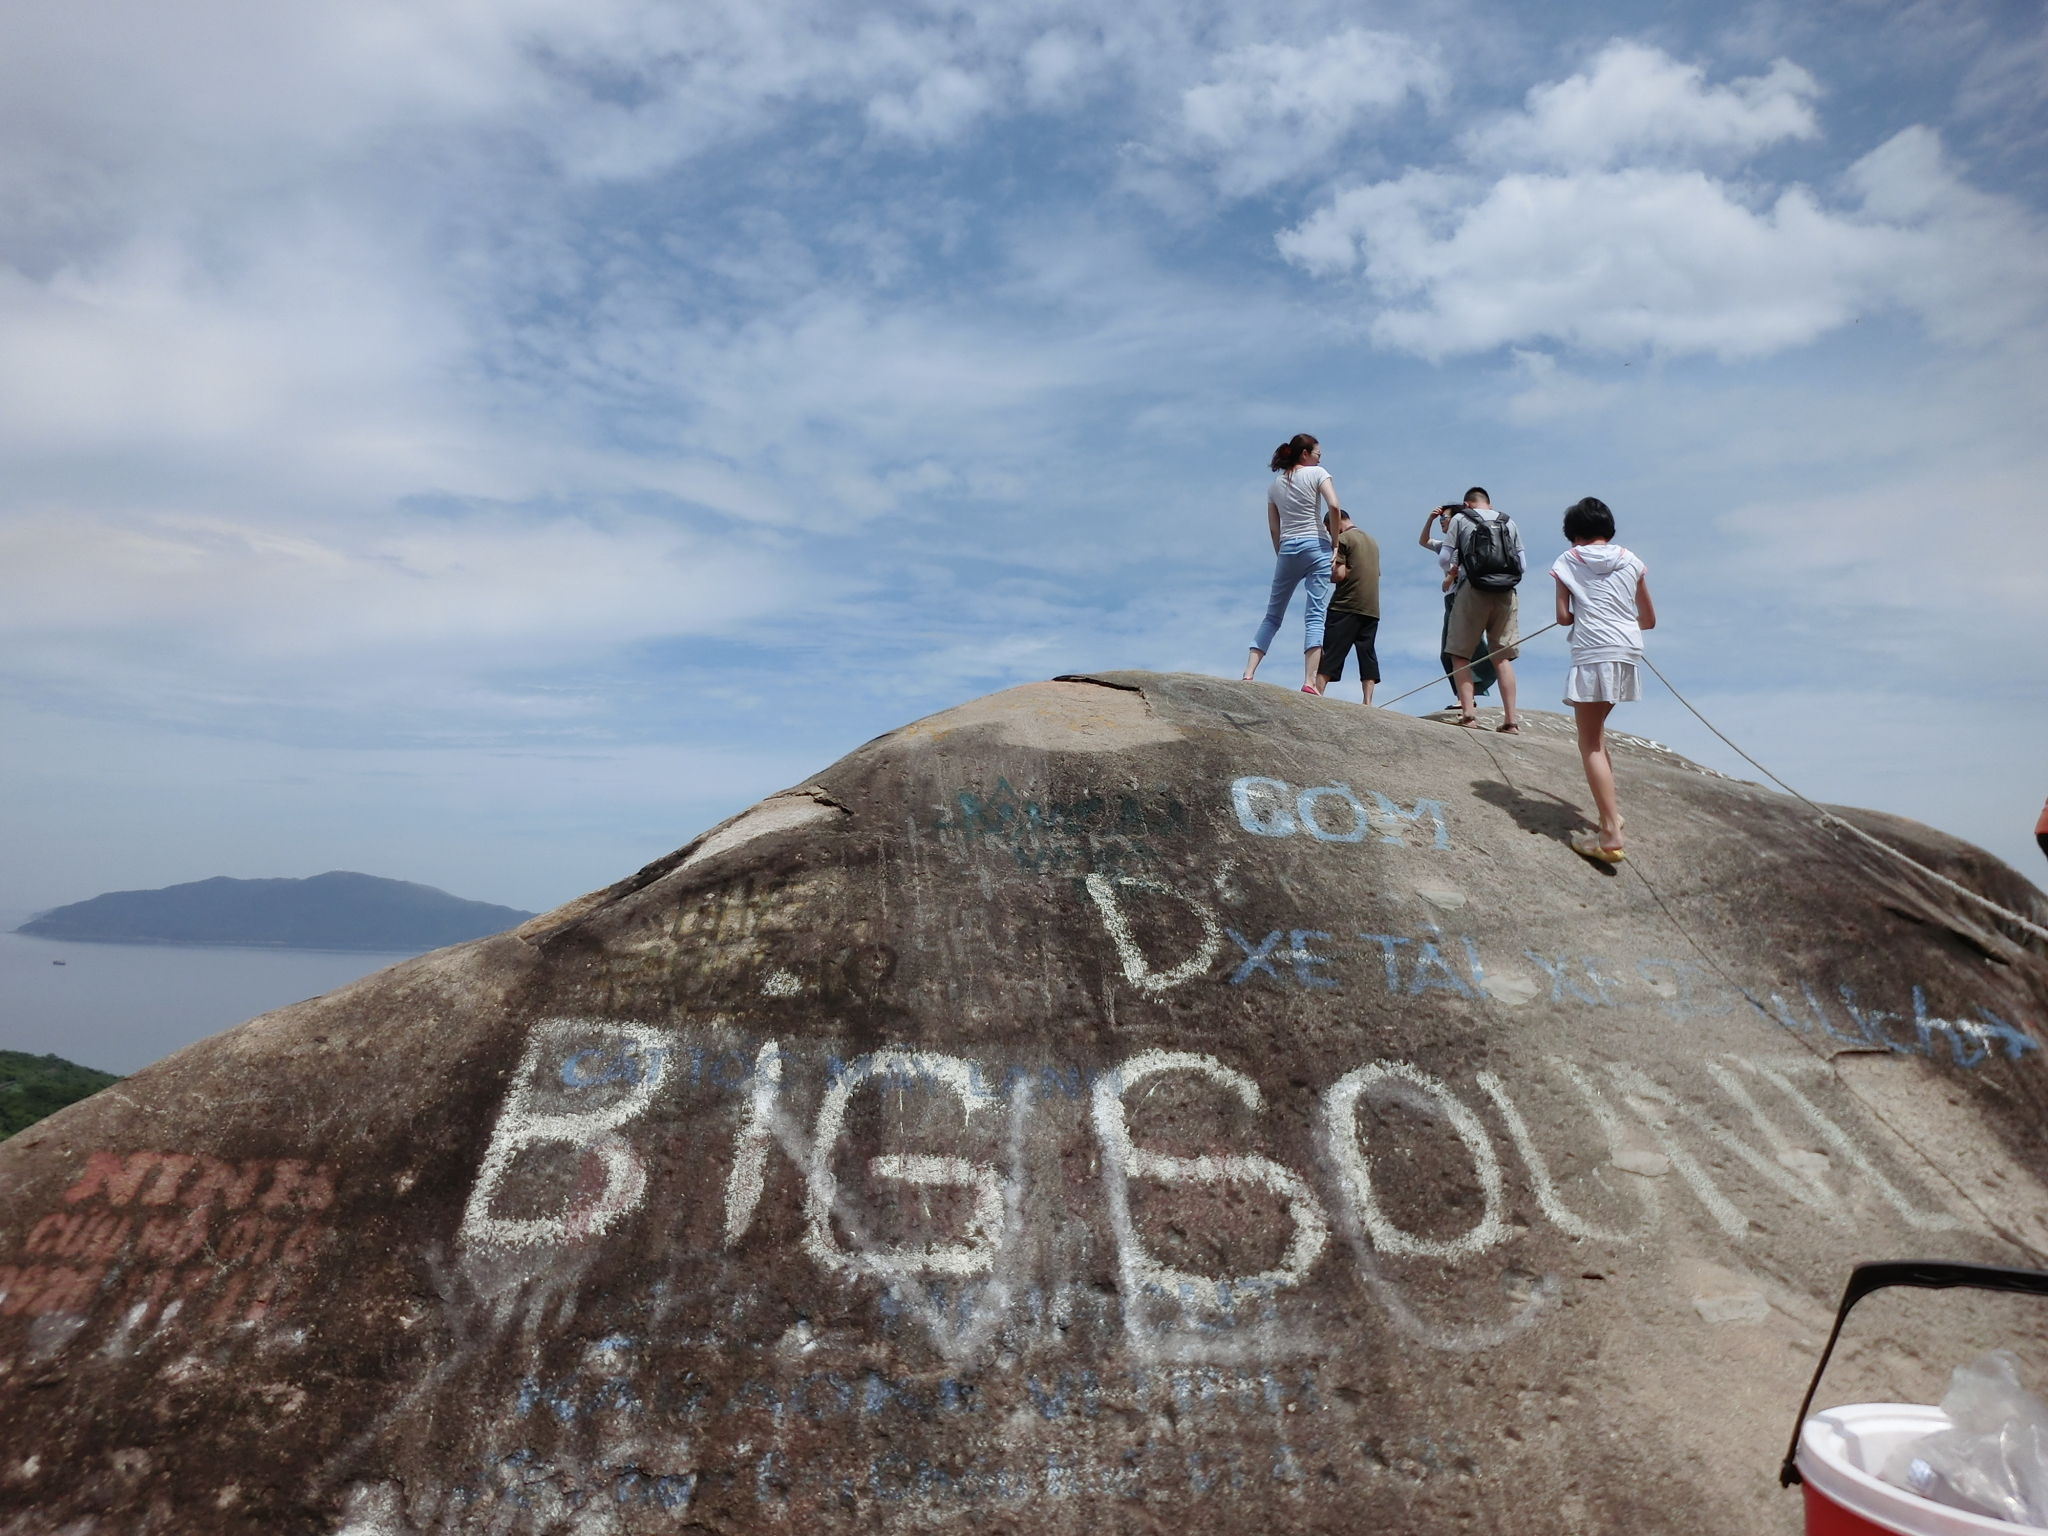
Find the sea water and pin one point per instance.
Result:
(118, 1007)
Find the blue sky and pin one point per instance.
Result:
(486, 444)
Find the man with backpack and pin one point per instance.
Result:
(1490, 567)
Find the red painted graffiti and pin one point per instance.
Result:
(159, 1178)
(178, 1237)
(35, 1289)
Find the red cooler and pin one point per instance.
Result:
(1836, 1456)
(1840, 1454)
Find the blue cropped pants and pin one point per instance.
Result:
(1302, 559)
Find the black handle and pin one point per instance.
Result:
(1927, 1275)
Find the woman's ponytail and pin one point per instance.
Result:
(1291, 453)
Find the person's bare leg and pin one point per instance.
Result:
(1251, 664)
(1311, 659)
(1504, 671)
(1592, 722)
(1368, 690)
(1461, 679)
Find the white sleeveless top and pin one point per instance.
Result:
(1602, 580)
(1295, 495)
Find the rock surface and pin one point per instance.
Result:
(1139, 1103)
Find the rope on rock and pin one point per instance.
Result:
(1445, 677)
(1828, 818)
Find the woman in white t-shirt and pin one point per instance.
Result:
(1301, 516)
(1604, 596)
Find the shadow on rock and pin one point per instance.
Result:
(1543, 813)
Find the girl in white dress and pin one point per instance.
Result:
(1604, 596)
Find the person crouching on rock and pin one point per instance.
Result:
(1603, 594)
(1354, 617)
(1301, 515)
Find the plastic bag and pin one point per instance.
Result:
(1994, 1459)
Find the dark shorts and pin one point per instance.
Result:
(1341, 633)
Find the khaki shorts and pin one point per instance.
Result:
(1492, 614)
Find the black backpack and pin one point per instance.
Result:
(1486, 555)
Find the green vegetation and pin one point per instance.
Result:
(34, 1086)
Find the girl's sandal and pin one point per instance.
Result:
(1588, 845)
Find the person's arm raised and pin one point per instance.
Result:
(1428, 523)
(1646, 611)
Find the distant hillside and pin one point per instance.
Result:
(34, 1086)
(337, 910)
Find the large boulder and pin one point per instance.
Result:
(1136, 1102)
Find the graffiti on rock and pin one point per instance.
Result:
(1220, 1402)
(977, 1254)
(1770, 1114)
(1330, 813)
(1093, 833)
(531, 1122)
(1143, 1275)
(1228, 1357)
(1430, 961)
(1109, 894)
(173, 1239)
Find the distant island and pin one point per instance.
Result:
(337, 910)
(34, 1086)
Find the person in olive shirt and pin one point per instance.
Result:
(1354, 615)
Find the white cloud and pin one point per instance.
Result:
(943, 105)
(1058, 66)
(1863, 562)
(1550, 392)
(2007, 86)
(1611, 261)
(1666, 257)
(518, 588)
(1975, 265)
(316, 357)
(1271, 112)
(112, 105)
(1636, 102)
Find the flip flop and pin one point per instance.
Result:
(1468, 724)
(1312, 692)
(1508, 730)
(1588, 845)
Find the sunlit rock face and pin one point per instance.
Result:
(1138, 1103)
